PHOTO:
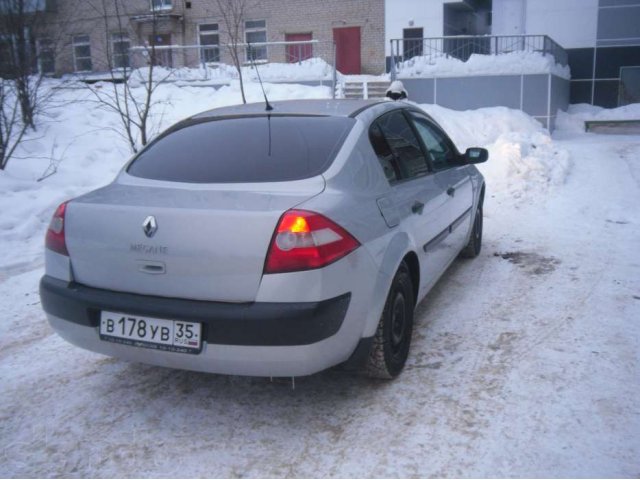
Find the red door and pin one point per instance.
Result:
(347, 50)
(300, 52)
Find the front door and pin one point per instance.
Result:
(412, 43)
(452, 178)
(298, 52)
(347, 50)
(161, 57)
(415, 201)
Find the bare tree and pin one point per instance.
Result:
(120, 96)
(20, 20)
(12, 128)
(233, 16)
(28, 47)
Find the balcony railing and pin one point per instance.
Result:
(462, 47)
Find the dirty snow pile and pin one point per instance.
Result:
(573, 119)
(513, 63)
(522, 155)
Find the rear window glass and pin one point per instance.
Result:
(248, 149)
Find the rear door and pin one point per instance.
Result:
(453, 178)
(416, 201)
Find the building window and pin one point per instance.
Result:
(82, 53)
(255, 31)
(46, 57)
(161, 5)
(120, 48)
(6, 56)
(210, 42)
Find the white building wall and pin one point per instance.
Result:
(571, 23)
(509, 17)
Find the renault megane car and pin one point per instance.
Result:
(268, 243)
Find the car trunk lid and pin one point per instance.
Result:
(209, 242)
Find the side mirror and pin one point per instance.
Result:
(476, 155)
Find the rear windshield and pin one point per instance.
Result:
(247, 149)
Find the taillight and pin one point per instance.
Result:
(55, 234)
(306, 240)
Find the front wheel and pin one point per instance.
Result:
(472, 249)
(391, 343)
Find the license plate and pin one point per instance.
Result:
(147, 332)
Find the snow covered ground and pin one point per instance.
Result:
(525, 361)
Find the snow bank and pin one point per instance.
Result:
(513, 63)
(312, 69)
(573, 120)
(522, 156)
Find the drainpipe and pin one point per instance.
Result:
(393, 63)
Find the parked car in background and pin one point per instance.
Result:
(268, 243)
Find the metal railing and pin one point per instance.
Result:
(211, 57)
(463, 46)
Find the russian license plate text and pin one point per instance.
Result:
(157, 333)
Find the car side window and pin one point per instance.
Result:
(384, 154)
(407, 158)
(440, 148)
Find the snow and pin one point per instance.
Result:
(523, 156)
(573, 120)
(512, 63)
(524, 361)
(313, 69)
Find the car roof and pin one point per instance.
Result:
(321, 107)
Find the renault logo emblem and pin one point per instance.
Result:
(150, 226)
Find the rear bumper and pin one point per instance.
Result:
(250, 324)
(261, 339)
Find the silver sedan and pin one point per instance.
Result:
(269, 243)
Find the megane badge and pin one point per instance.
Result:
(150, 226)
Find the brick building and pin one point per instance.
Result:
(84, 36)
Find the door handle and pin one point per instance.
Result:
(451, 191)
(417, 207)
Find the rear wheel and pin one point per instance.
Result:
(391, 343)
(472, 249)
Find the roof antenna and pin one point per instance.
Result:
(268, 107)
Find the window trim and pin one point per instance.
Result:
(252, 30)
(74, 44)
(203, 47)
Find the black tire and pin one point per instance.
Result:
(472, 249)
(392, 340)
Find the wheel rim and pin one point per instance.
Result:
(398, 322)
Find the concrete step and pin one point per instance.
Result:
(373, 89)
